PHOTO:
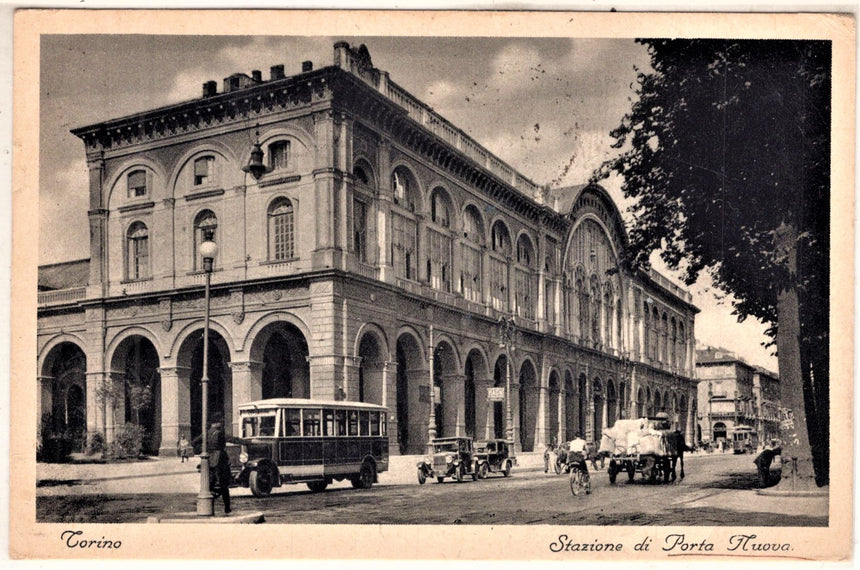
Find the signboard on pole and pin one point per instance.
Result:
(496, 394)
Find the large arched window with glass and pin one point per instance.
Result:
(524, 296)
(404, 224)
(582, 304)
(281, 230)
(664, 338)
(137, 252)
(470, 264)
(608, 308)
(205, 229)
(439, 244)
(682, 348)
(501, 252)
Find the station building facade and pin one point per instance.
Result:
(382, 255)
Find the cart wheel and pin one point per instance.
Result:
(612, 472)
(649, 469)
(631, 471)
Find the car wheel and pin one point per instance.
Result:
(365, 477)
(507, 471)
(317, 486)
(458, 474)
(260, 482)
(483, 471)
(421, 477)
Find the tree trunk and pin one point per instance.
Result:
(798, 473)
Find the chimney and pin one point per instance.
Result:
(307, 66)
(257, 76)
(210, 88)
(277, 72)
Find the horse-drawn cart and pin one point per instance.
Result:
(647, 445)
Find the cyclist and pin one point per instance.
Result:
(576, 453)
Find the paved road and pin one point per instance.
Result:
(718, 489)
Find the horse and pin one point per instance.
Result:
(676, 446)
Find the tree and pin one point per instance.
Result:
(726, 154)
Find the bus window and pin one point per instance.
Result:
(311, 423)
(384, 424)
(374, 423)
(267, 426)
(340, 421)
(248, 425)
(328, 423)
(353, 423)
(292, 423)
(364, 420)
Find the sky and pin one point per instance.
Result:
(545, 106)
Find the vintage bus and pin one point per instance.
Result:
(744, 439)
(288, 440)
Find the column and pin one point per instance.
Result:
(634, 394)
(515, 411)
(453, 405)
(541, 436)
(175, 407)
(45, 402)
(690, 433)
(562, 416)
(589, 407)
(247, 387)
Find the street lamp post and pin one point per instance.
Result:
(507, 328)
(205, 500)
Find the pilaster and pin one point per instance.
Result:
(175, 407)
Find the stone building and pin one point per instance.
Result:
(381, 255)
(734, 393)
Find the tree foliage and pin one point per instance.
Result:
(727, 142)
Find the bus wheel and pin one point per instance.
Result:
(260, 482)
(365, 477)
(317, 486)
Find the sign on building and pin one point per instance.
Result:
(496, 394)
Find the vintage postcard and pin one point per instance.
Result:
(471, 285)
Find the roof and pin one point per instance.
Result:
(561, 199)
(65, 275)
(306, 402)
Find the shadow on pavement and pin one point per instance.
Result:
(743, 481)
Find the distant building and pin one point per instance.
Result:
(374, 253)
(734, 393)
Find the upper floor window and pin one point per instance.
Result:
(205, 226)
(501, 239)
(137, 256)
(473, 229)
(363, 173)
(281, 230)
(137, 184)
(404, 244)
(440, 212)
(359, 229)
(524, 251)
(405, 188)
(204, 170)
(279, 155)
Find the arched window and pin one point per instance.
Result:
(137, 256)
(525, 296)
(501, 244)
(440, 250)
(582, 297)
(136, 184)
(440, 208)
(405, 188)
(470, 267)
(205, 226)
(281, 230)
(363, 173)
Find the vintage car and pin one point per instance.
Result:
(493, 456)
(452, 457)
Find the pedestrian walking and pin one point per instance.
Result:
(185, 450)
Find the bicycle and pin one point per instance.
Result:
(580, 481)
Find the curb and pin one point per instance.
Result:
(783, 493)
(194, 518)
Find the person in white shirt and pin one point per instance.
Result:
(577, 452)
